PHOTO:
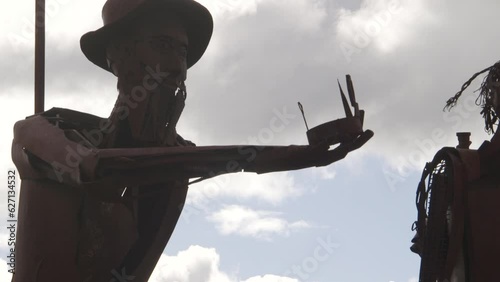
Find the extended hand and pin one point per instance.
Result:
(348, 132)
(323, 156)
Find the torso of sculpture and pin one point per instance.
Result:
(101, 196)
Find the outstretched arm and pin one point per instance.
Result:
(209, 161)
(65, 160)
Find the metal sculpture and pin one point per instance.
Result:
(458, 222)
(100, 197)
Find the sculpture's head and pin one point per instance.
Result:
(166, 35)
(158, 44)
(489, 96)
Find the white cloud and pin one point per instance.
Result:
(325, 172)
(4, 244)
(386, 23)
(230, 8)
(246, 222)
(4, 274)
(196, 264)
(199, 264)
(303, 15)
(272, 188)
(270, 278)
(61, 22)
(399, 90)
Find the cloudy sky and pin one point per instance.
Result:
(348, 222)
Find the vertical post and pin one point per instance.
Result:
(39, 56)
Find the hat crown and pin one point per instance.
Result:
(117, 14)
(114, 10)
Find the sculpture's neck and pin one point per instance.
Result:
(140, 115)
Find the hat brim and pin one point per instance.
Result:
(197, 21)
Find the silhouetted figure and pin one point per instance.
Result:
(101, 196)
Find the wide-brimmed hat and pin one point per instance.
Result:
(118, 14)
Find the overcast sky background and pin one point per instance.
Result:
(348, 222)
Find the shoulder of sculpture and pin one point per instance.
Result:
(29, 126)
(47, 139)
(68, 113)
(72, 119)
(62, 118)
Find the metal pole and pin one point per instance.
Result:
(39, 56)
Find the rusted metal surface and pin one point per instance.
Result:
(483, 232)
(440, 216)
(101, 197)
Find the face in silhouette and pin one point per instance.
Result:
(164, 46)
(159, 43)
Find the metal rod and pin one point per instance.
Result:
(39, 56)
(303, 115)
(347, 109)
(352, 95)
